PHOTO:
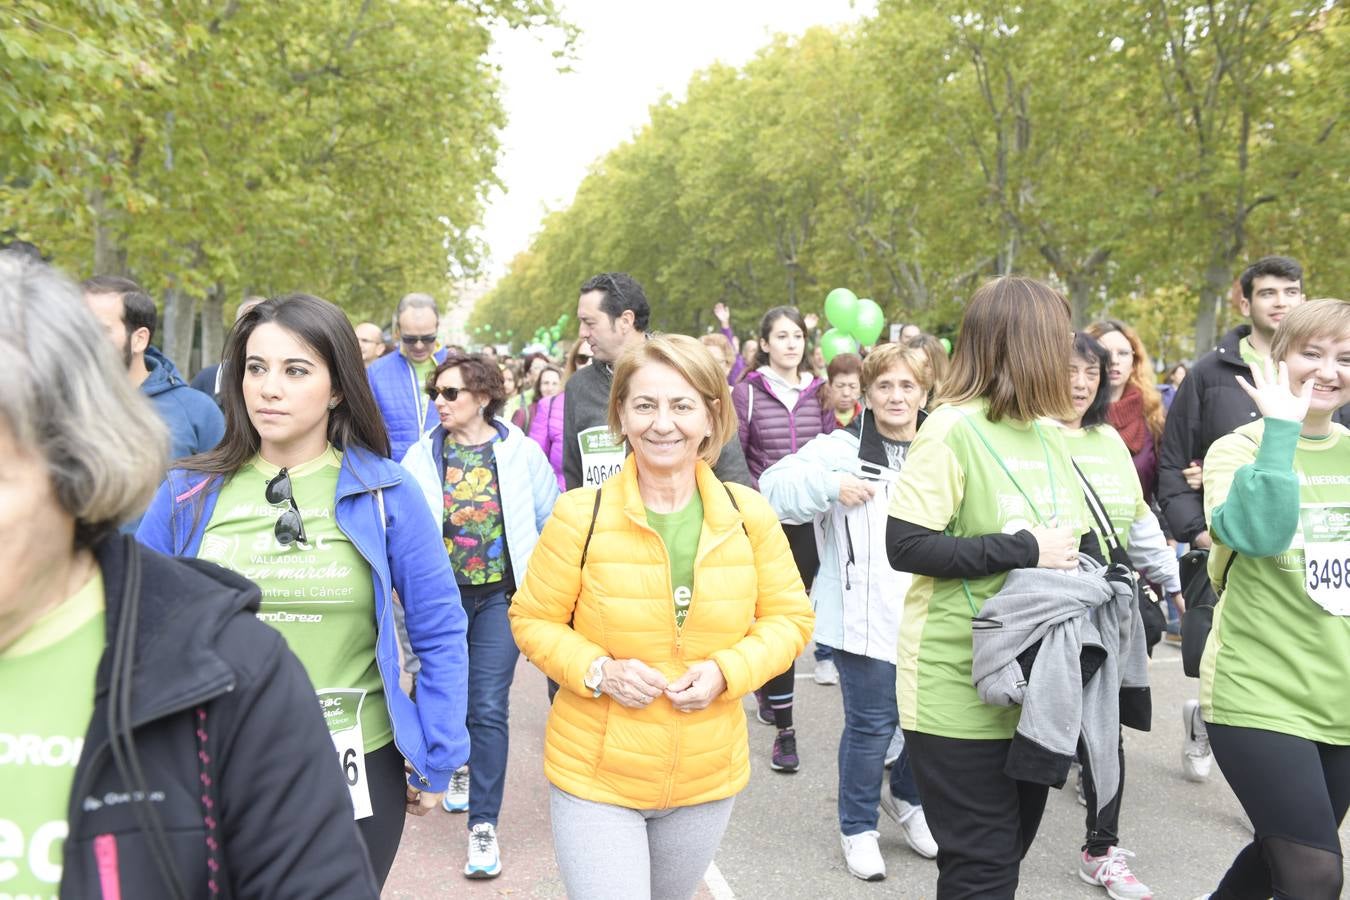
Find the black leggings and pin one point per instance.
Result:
(383, 831)
(1296, 792)
(781, 688)
(1102, 828)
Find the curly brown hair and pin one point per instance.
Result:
(481, 376)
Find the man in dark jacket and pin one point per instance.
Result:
(612, 314)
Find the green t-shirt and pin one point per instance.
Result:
(423, 371)
(1106, 463)
(680, 530)
(1276, 659)
(47, 682)
(953, 482)
(320, 596)
(1249, 353)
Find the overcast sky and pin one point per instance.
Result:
(629, 54)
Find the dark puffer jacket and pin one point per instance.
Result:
(768, 429)
(213, 693)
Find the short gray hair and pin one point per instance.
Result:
(68, 398)
(416, 301)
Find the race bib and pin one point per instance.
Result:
(1326, 556)
(342, 713)
(601, 455)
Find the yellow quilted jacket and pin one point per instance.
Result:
(749, 613)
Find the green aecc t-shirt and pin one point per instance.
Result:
(1105, 461)
(680, 530)
(47, 686)
(318, 595)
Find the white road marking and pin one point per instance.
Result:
(717, 885)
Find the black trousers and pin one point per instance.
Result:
(983, 821)
(383, 831)
(1103, 829)
(1296, 793)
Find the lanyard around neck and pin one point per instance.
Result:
(1049, 470)
(420, 398)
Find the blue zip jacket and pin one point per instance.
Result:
(399, 396)
(195, 422)
(405, 554)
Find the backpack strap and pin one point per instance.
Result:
(736, 506)
(595, 512)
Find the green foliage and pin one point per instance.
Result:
(1136, 153)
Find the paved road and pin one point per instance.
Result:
(783, 841)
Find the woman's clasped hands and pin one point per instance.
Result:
(636, 685)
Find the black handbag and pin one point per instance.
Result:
(1198, 619)
(1154, 619)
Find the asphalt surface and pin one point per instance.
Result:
(783, 840)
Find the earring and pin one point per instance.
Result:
(332, 404)
(708, 433)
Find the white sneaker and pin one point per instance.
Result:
(484, 860)
(1196, 758)
(456, 799)
(913, 823)
(863, 856)
(896, 747)
(1112, 871)
(826, 673)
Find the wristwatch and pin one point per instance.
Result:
(595, 674)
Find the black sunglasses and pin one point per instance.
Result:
(290, 528)
(450, 394)
(413, 339)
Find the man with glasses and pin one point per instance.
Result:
(399, 379)
(612, 315)
(371, 339)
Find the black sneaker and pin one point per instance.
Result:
(785, 752)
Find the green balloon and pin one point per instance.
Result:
(946, 345)
(868, 320)
(841, 305)
(836, 341)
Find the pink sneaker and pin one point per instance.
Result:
(1113, 873)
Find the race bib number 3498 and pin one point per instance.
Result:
(1326, 556)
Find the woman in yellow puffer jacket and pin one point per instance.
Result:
(656, 603)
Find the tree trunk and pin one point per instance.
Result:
(180, 313)
(109, 259)
(213, 325)
(1218, 277)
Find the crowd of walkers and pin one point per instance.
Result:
(248, 625)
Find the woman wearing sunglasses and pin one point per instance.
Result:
(301, 499)
(493, 489)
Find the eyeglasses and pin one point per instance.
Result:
(290, 528)
(413, 340)
(1122, 354)
(368, 341)
(450, 395)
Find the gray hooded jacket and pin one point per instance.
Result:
(1068, 647)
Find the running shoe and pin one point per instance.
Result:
(484, 860)
(1112, 872)
(912, 821)
(897, 746)
(784, 757)
(1196, 758)
(825, 672)
(863, 856)
(763, 711)
(456, 798)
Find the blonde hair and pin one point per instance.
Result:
(938, 359)
(1327, 317)
(1013, 350)
(104, 446)
(1141, 375)
(885, 357)
(719, 344)
(696, 366)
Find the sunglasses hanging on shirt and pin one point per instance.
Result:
(290, 528)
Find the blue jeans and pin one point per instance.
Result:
(492, 667)
(870, 718)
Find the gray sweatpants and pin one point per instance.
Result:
(610, 852)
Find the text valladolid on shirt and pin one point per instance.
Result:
(954, 482)
(680, 531)
(47, 682)
(318, 595)
(1278, 659)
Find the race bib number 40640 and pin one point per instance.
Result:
(1326, 556)
(342, 713)
(601, 455)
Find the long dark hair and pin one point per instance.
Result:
(355, 422)
(1085, 346)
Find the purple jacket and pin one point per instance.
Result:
(546, 428)
(768, 429)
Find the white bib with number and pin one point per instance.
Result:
(342, 713)
(601, 455)
(1326, 555)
